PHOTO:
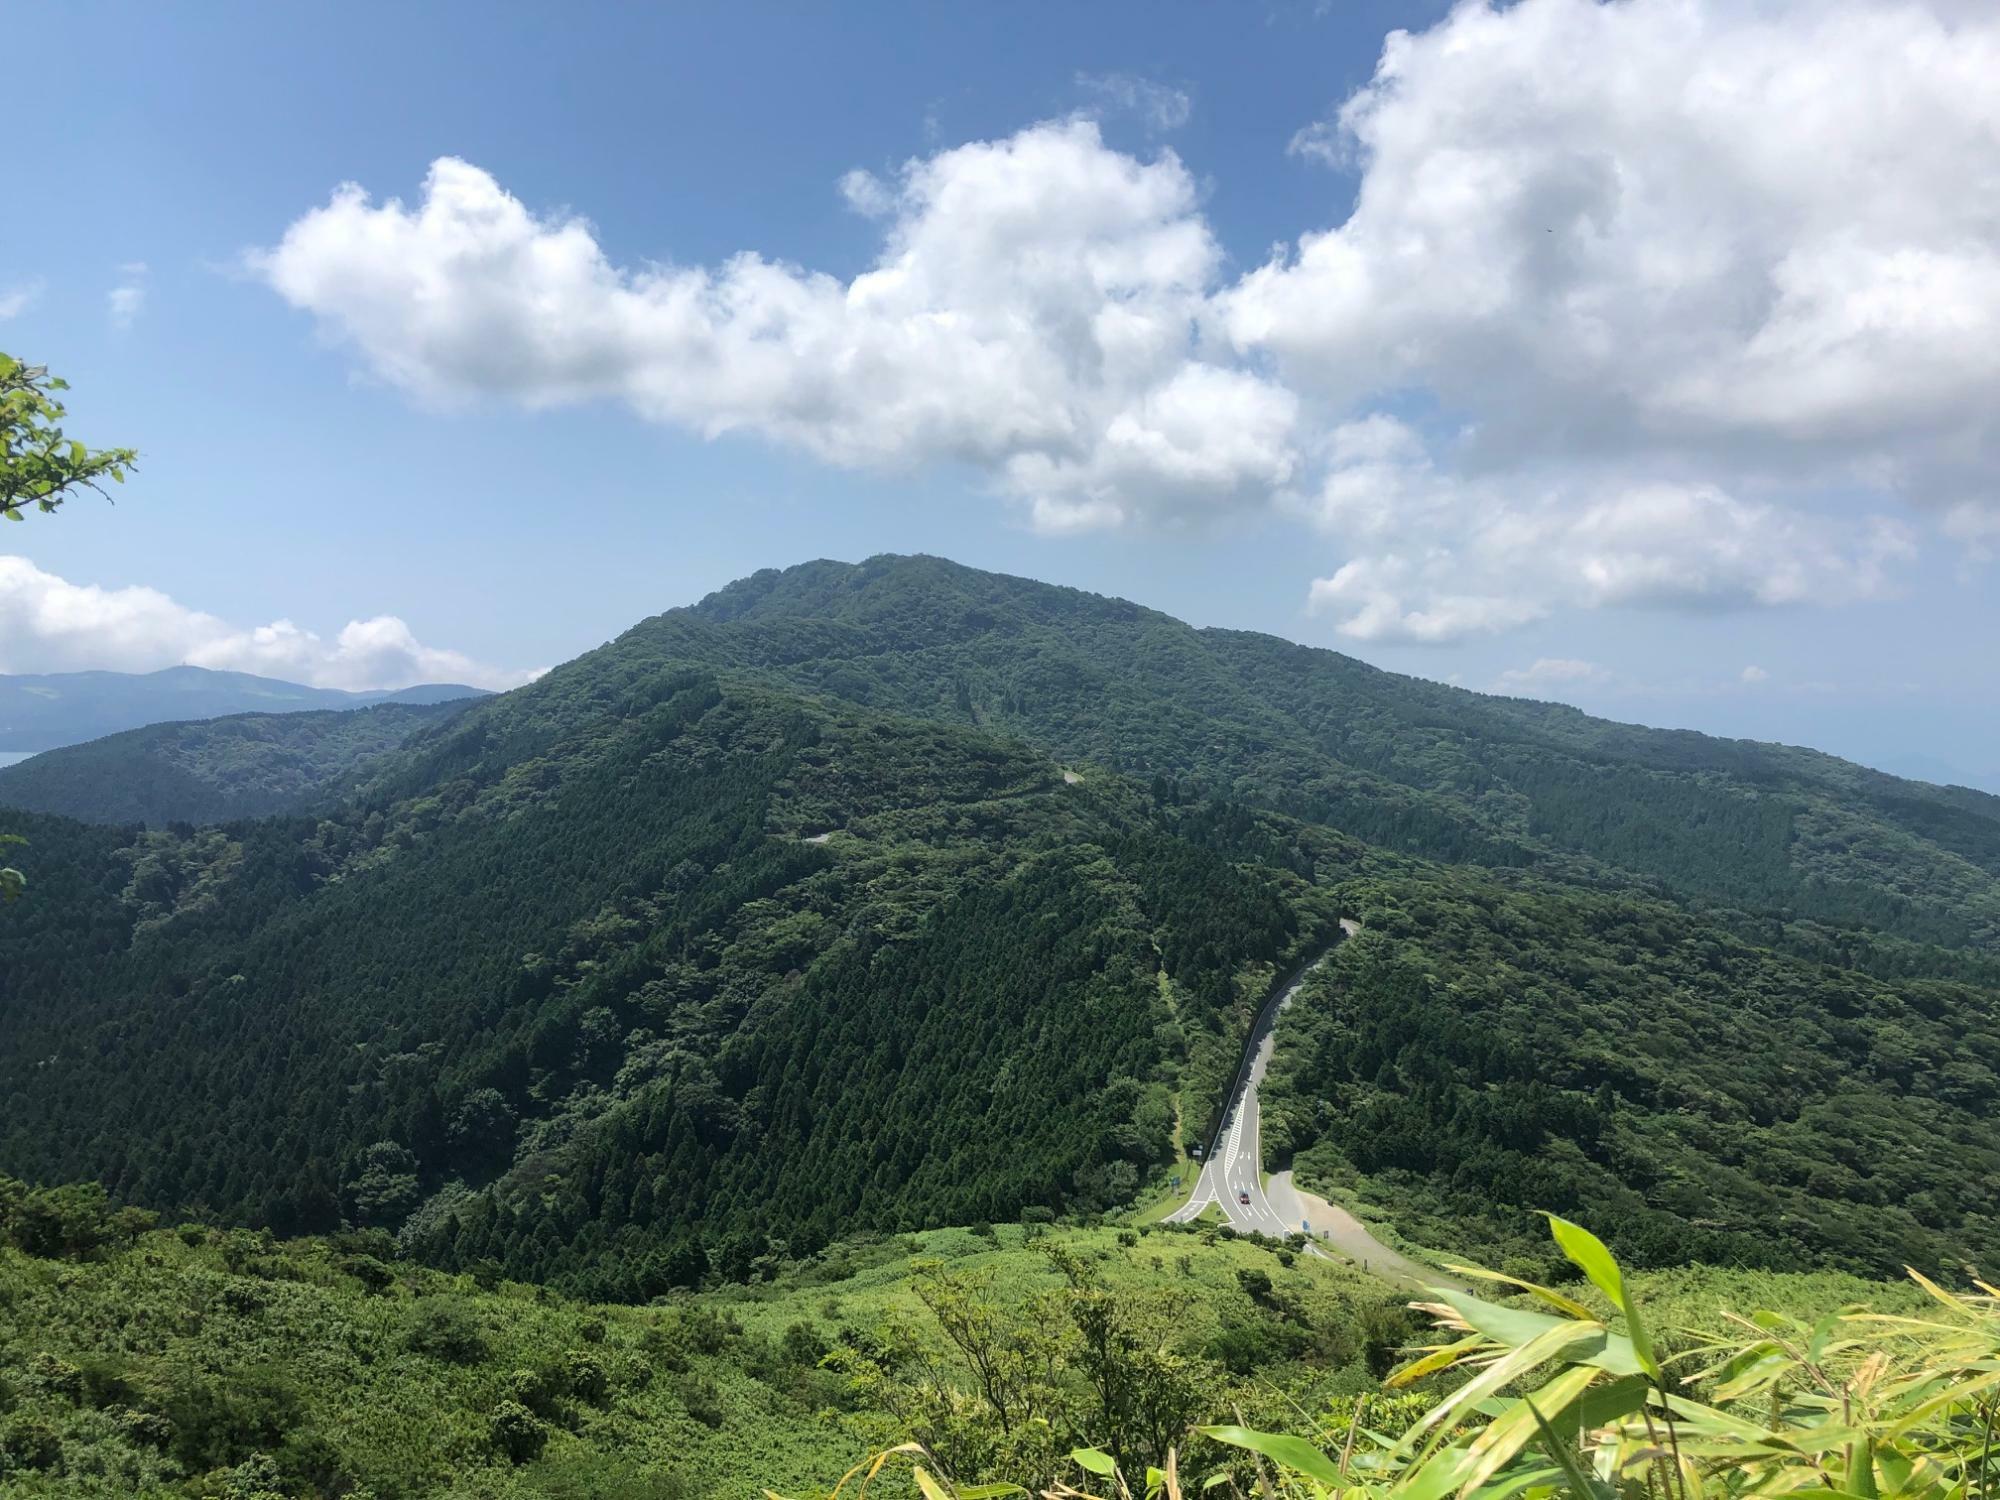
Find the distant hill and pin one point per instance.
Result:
(217, 770)
(42, 711)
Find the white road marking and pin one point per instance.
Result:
(1235, 1172)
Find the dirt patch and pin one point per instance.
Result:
(1335, 1227)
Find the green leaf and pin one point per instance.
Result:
(1514, 1326)
(1094, 1461)
(1591, 1256)
(1547, 1294)
(1289, 1452)
(1506, 1436)
(1554, 1342)
(1580, 1483)
(1861, 1473)
(1438, 1477)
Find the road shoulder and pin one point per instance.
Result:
(1336, 1228)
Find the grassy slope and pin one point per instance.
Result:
(700, 1397)
(694, 1406)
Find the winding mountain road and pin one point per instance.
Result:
(1232, 1178)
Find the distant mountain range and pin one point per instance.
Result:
(43, 711)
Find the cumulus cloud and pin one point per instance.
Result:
(1752, 675)
(1033, 312)
(1442, 555)
(1765, 234)
(125, 300)
(15, 300)
(1699, 304)
(1396, 598)
(48, 624)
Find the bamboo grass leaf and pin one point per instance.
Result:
(1549, 1295)
(1595, 1344)
(1580, 1483)
(1591, 1256)
(1507, 1435)
(1293, 1453)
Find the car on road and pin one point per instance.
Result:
(1244, 1199)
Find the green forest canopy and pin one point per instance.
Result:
(895, 894)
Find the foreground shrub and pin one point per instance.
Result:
(518, 1432)
(31, 1444)
(221, 1422)
(445, 1328)
(1555, 1398)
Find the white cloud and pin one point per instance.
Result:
(1321, 141)
(1760, 234)
(1688, 278)
(1692, 295)
(48, 624)
(1033, 312)
(1550, 674)
(1159, 105)
(1975, 529)
(125, 300)
(867, 194)
(1396, 598)
(17, 299)
(1752, 675)
(1439, 555)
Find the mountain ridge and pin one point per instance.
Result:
(217, 770)
(870, 896)
(48, 710)
(1434, 770)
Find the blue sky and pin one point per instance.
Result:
(1569, 379)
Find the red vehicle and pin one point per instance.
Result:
(1243, 1198)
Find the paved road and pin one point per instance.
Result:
(1235, 1172)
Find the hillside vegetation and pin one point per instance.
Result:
(223, 1364)
(635, 972)
(216, 770)
(1481, 1052)
(882, 896)
(1407, 764)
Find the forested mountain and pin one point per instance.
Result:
(861, 897)
(669, 968)
(1481, 1052)
(215, 770)
(42, 711)
(1407, 764)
